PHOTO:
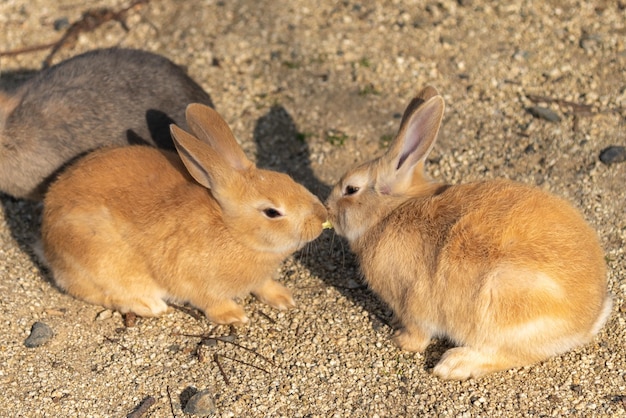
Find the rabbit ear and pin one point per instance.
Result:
(416, 137)
(204, 163)
(419, 99)
(7, 104)
(208, 126)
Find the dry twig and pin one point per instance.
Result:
(245, 363)
(222, 339)
(143, 407)
(89, 21)
(578, 109)
(266, 316)
(26, 49)
(169, 396)
(226, 340)
(114, 341)
(189, 311)
(219, 366)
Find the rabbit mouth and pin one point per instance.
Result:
(337, 221)
(351, 231)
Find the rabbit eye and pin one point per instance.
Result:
(272, 213)
(350, 190)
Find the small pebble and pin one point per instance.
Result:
(209, 342)
(202, 403)
(577, 389)
(40, 333)
(590, 42)
(104, 315)
(544, 113)
(61, 23)
(353, 284)
(230, 338)
(613, 154)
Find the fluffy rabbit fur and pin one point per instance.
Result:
(103, 97)
(509, 273)
(132, 227)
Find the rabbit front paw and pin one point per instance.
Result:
(411, 339)
(145, 306)
(461, 363)
(226, 312)
(275, 295)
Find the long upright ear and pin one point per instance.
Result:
(416, 137)
(208, 126)
(204, 164)
(419, 99)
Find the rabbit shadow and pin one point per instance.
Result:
(281, 147)
(12, 80)
(435, 350)
(23, 221)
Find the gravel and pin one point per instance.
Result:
(312, 88)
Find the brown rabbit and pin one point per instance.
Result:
(131, 227)
(509, 273)
(103, 97)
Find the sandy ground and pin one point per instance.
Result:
(311, 88)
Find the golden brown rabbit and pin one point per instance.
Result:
(511, 274)
(131, 227)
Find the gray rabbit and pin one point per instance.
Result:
(103, 97)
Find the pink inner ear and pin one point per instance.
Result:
(420, 133)
(385, 189)
(412, 140)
